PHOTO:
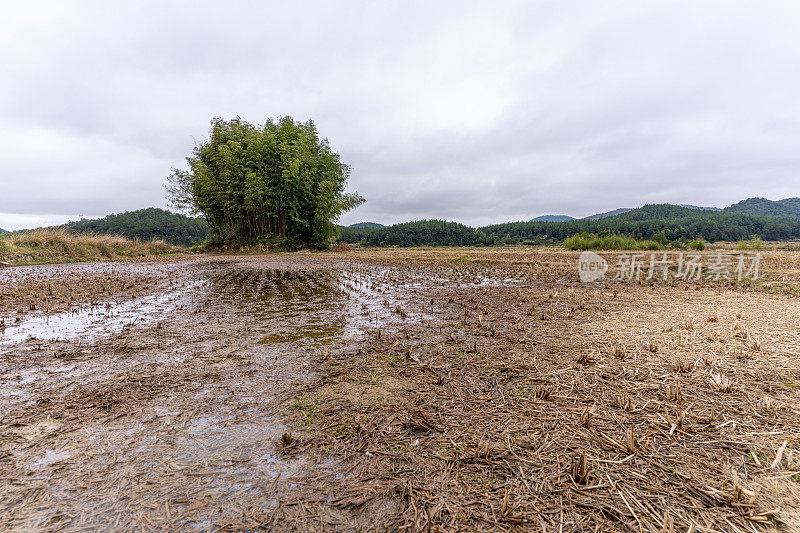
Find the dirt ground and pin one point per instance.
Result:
(397, 390)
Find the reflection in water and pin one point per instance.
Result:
(292, 305)
(312, 306)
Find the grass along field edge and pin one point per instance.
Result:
(59, 246)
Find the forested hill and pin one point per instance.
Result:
(418, 233)
(366, 225)
(3, 231)
(146, 224)
(552, 218)
(674, 222)
(622, 210)
(788, 207)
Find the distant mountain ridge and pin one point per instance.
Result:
(751, 206)
(667, 221)
(788, 207)
(3, 231)
(615, 212)
(622, 210)
(552, 218)
(366, 225)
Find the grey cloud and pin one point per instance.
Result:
(464, 111)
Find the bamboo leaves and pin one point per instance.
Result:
(276, 182)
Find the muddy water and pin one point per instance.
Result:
(316, 305)
(288, 306)
(92, 320)
(166, 408)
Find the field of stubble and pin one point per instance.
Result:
(398, 389)
(530, 401)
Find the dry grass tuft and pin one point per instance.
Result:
(585, 420)
(683, 366)
(722, 383)
(672, 391)
(625, 402)
(542, 392)
(580, 471)
(57, 246)
(617, 350)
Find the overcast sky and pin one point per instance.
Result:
(477, 112)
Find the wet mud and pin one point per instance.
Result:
(164, 409)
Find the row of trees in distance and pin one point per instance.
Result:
(665, 223)
(418, 233)
(675, 223)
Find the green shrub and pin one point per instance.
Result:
(696, 244)
(660, 238)
(754, 244)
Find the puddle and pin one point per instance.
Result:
(311, 307)
(90, 322)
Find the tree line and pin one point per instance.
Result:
(418, 233)
(663, 222)
(675, 223)
(763, 207)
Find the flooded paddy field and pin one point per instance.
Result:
(159, 409)
(396, 389)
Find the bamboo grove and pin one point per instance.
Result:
(278, 182)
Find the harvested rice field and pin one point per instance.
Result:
(401, 390)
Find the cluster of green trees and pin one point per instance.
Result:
(147, 224)
(675, 223)
(356, 234)
(418, 233)
(278, 182)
